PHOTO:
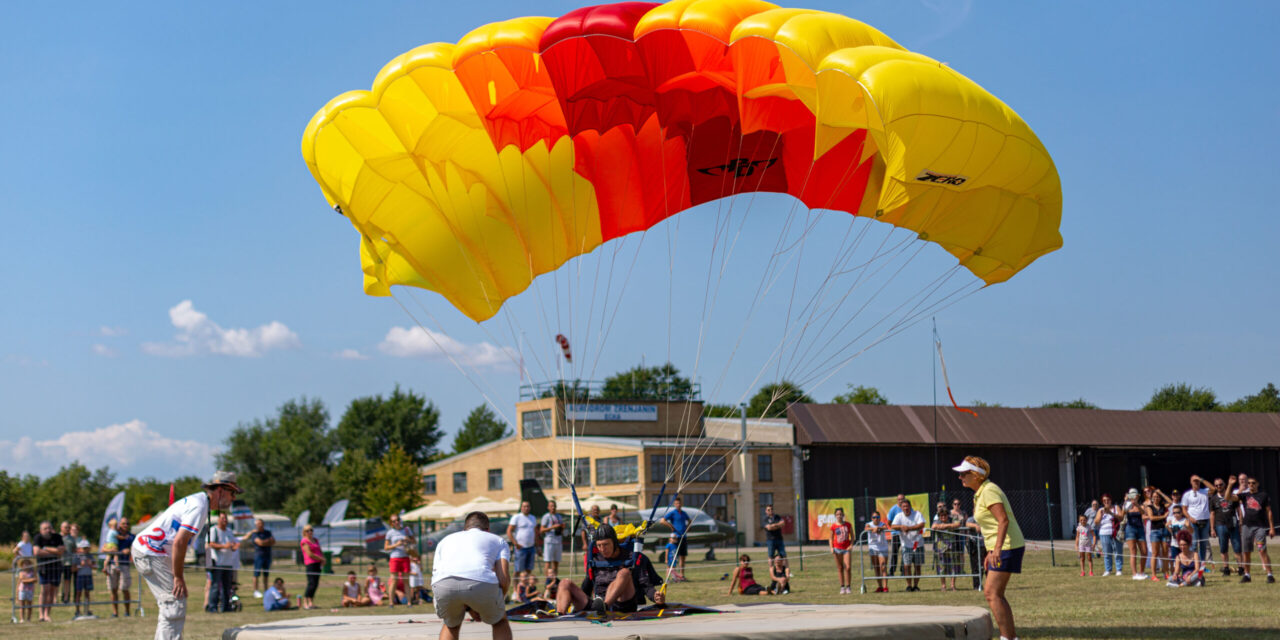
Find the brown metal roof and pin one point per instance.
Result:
(902, 424)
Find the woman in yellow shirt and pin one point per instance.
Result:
(1002, 535)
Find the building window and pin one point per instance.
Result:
(658, 467)
(765, 500)
(617, 470)
(495, 479)
(536, 424)
(540, 471)
(460, 482)
(703, 468)
(764, 468)
(429, 484)
(581, 472)
(715, 505)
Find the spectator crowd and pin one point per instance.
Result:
(1170, 537)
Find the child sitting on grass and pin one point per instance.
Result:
(373, 586)
(352, 594)
(779, 583)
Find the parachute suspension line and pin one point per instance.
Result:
(448, 354)
(882, 288)
(760, 287)
(907, 321)
(936, 308)
(865, 276)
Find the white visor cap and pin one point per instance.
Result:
(969, 466)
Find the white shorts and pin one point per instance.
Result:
(552, 552)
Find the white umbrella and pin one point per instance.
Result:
(481, 504)
(434, 510)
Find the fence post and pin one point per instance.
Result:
(1053, 561)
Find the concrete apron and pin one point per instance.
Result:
(766, 621)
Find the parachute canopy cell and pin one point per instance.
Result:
(471, 168)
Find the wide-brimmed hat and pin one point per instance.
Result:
(224, 479)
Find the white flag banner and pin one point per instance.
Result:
(115, 509)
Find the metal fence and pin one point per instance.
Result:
(952, 555)
(29, 577)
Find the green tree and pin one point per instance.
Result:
(861, 395)
(481, 426)
(720, 411)
(316, 491)
(772, 400)
(980, 404)
(147, 496)
(373, 424)
(648, 383)
(1265, 401)
(16, 516)
(74, 494)
(569, 391)
(397, 484)
(272, 456)
(1078, 403)
(351, 478)
(1182, 397)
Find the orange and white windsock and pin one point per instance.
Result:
(946, 381)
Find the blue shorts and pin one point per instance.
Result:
(84, 583)
(776, 548)
(1010, 561)
(1228, 536)
(524, 559)
(1159, 535)
(261, 564)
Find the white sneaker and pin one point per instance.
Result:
(257, 594)
(1139, 576)
(1106, 573)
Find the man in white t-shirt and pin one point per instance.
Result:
(552, 530)
(523, 534)
(470, 573)
(161, 547)
(224, 549)
(909, 524)
(1195, 503)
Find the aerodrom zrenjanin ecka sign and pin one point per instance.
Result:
(611, 412)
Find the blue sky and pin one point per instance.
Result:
(172, 269)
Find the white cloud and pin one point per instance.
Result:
(350, 354)
(197, 334)
(104, 351)
(112, 332)
(131, 448)
(417, 342)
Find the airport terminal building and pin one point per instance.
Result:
(623, 450)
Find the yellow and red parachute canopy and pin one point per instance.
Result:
(472, 168)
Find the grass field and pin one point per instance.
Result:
(1048, 602)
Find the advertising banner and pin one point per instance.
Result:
(823, 512)
(612, 412)
(919, 502)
